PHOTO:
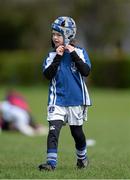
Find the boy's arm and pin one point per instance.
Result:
(83, 67)
(51, 70)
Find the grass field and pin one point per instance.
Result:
(108, 123)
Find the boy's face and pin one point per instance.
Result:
(57, 38)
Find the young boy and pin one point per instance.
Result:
(65, 67)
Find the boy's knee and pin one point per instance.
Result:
(54, 131)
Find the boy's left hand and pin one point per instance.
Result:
(69, 48)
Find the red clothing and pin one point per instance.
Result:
(17, 99)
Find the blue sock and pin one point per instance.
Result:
(52, 157)
(81, 153)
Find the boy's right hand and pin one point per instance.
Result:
(60, 50)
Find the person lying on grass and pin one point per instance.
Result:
(15, 115)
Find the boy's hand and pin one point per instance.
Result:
(69, 48)
(60, 50)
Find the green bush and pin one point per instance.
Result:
(111, 73)
(20, 68)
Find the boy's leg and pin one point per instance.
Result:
(52, 145)
(80, 144)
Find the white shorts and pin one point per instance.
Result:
(73, 115)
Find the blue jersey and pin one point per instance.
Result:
(67, 87)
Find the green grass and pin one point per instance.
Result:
(108, 123)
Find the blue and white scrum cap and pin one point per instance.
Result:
(66, 26)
